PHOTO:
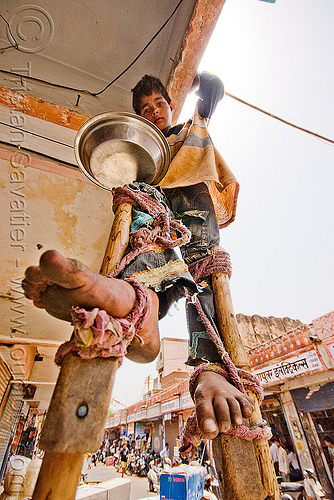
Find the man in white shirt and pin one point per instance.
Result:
(295, 472)
(273, 451)
(283, 463)
(165, 452)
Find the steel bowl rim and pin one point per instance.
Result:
(89, 124)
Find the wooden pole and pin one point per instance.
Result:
(59, 476)
(247, 470)
(118, 239)
(77, 413)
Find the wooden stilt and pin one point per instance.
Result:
(246, 469)
(59, 476)
(237, 469)
(118, 239)
(78, 410)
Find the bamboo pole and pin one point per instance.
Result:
(255, 455)
(78, 409)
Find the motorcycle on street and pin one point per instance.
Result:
(153, 478)
(143, 466)
(153, 475)
(131, 466)
(211, 483)
(307, 489)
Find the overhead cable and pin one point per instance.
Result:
(280, 119)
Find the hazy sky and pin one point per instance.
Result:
(279, 58)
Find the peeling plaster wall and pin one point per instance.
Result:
(44, 205)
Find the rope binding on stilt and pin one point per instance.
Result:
(241, 379)
(96, 334)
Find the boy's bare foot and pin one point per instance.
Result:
(219, 405)
(58, 284)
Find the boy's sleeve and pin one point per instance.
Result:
(210, 92)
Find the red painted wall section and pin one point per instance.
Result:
(41, 109)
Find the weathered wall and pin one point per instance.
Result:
(44, 205)
(256, 330)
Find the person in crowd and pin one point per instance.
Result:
(275, 442)
(124, 458)
(283, 462)
(295, 472)
(329, 442)
(165, 453)
(89, 460)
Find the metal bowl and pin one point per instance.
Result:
(113, 149)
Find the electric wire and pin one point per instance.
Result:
(132, 392)
(279, 119)
(89, 92)
(242, 101)
(141, 52)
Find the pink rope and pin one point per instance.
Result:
(191, 434)
(241, 379)
(247, 380)
(162, 225)
(216, 261)
(96, 334)
(226, 361)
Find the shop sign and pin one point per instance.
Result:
(140, 427)
(117, 421)
(186, 401)
(140, 415)
(131, 428)
(295, 365)
(330, 348)
(171, 405)
(123, 420)
(153, 411)
(131, 417)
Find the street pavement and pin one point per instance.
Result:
(100, 473)
(139, 485)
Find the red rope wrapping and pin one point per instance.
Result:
(217, 260)
(96, 334)
(162, 225)
(241, 379)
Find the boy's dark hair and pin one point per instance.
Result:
(329, 439)
(146, 86)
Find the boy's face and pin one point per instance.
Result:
(156, 109)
